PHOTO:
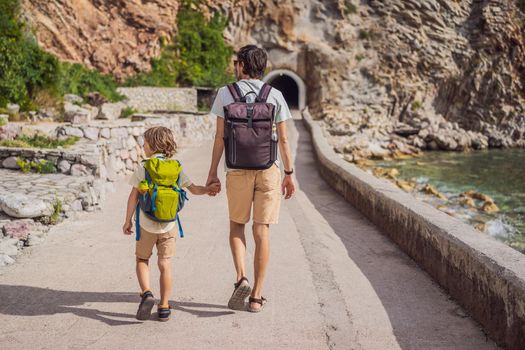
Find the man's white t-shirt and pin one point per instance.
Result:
(224, 98)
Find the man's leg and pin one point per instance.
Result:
(260, 262)
(238, 248)
(165, 281)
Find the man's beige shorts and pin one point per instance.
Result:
(260, 187)
(165, 243)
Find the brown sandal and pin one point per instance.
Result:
(261, 302)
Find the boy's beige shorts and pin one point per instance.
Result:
(165, 243)
(260, 187)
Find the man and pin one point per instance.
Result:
(261, 189)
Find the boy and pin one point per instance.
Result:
(158, 141)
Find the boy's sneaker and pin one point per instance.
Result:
(241, 291)
(164, 313)
(145, 306)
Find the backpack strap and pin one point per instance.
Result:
(264, 93)
(137, 223)
(236, 93)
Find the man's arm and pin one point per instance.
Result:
(218, 149)
(288, 186)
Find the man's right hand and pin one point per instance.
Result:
(213, 179)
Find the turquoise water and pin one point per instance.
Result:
(497, 173)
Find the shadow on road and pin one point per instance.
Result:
(34, 301)
(193, 309)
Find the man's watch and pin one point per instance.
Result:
(288, 172)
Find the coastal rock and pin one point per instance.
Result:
(429, 189)
(477, 195)
(490, 207)
(407, 186)
(22, 206)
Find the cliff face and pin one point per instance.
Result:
(415, 73)
(114, 36)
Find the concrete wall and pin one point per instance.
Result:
(485, 276)
(149, 99)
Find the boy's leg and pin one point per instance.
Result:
(143, 274)
(166, 281)
(260, 261)
(165, 251)
(238, 248)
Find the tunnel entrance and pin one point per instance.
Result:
(291, 86)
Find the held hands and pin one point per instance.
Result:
(213, 188)
(127, 228)
(288, 187)
(214, 185)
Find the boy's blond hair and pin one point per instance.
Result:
(160, 140)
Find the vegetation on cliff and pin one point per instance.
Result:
(198, 55)
(30, 76)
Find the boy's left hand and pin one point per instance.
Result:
(127, 228)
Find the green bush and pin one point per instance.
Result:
(26, 69)
(14, 144)
(521, 4)
(197, 57)
(79, 80)
(204, 56)
(39, 141)
(127, 112)
(41, 167)
(57, 210)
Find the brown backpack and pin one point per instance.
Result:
(250, 133)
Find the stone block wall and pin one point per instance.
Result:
(149, 99)
(109, 149)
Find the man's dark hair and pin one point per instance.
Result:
(253, 59)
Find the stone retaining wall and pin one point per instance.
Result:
(485, 276)
(149, 99)
(108, 149)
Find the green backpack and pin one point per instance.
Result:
(164, 198)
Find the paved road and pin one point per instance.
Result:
(334, 282)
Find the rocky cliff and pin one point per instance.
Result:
(385, 76)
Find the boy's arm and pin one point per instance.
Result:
(199, 190)
(132, 205)
(218, 149)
